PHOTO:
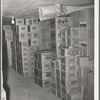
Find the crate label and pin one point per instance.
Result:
(62, 22)
(23, 37)
(28, 21)
(24, 48)
(26, 68)
(26, 73)
(24, 53)
(24, 43)
(34, 21)
(22, 29)
(31, 73)
(35, 34)
(31, 63)
(33, 28)
(34, 42)
(19, 21)
(29, 35)
(75, 37)
(25, 58)
(60, 35)
(25, 63)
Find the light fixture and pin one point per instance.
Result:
(12, 21)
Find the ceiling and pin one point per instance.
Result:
(29, 8)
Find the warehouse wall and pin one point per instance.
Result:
(5, 67)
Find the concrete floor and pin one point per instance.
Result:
(21, 88)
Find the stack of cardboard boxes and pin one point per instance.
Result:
(74, 54)
(62, 33)
(45, 36)
(64, 72)
(26, 42)
(57, 52)
(8, 38)
(43, 68)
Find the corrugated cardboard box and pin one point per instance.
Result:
(25, 68)
(9, 35)
(75, 96)
(63, 22)
(70, 67)
(34, 42)
(69, 60)
(23, 36)
(7, 27)
(44, 83)
(25, 53)
(69, 82)
(45, 75)
(29, 35)
(28, 21)
(20, 22)
(64, 96)
(21, 28)
(31, 63)
(26, 73)
(25, 58)
(59, 95)
(24, 43)
(24, 48)
(60, 34)
(69, 75)
(53, 79)
(66, 52)
(75, 37)
(31, 72)
(33, 28)
(83, 61)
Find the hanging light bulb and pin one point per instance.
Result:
(12, 21)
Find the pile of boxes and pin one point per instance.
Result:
(64, 72)
(74, 53)
(57, 52)
(62, 25)
(26, 42)
(8, 39)
(45, 36)
(42, 71)
(85, 78)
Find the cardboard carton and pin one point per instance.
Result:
(7, 27)
(19, 22)
(66, 52)
(74, 96)
(21, 28)
(70, 67)
(69, 60)
(9, 35)
(83, 61)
